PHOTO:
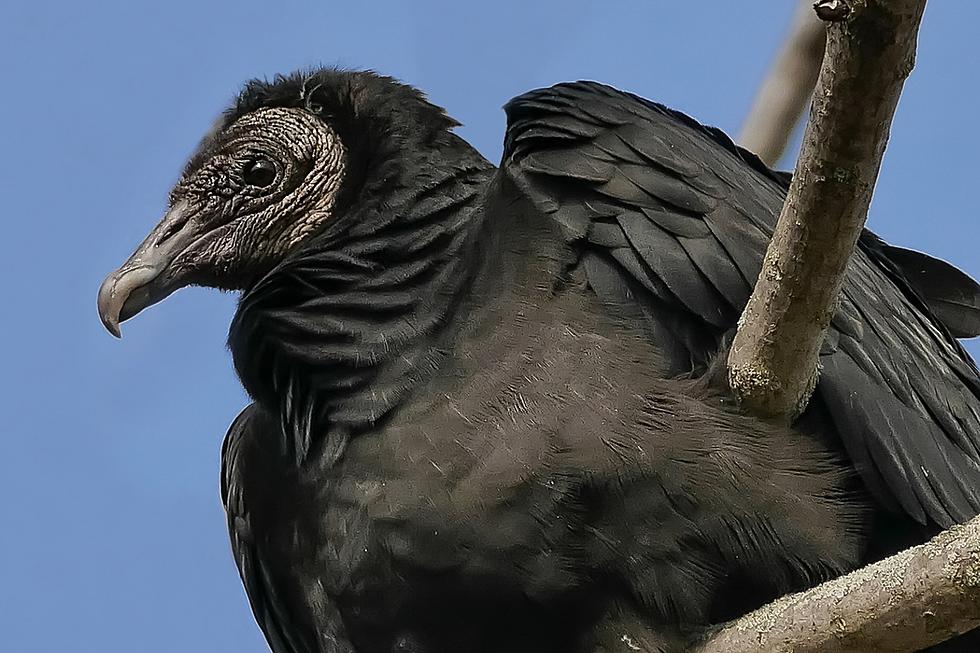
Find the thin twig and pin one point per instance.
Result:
(786, 89)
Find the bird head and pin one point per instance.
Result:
(278, 167)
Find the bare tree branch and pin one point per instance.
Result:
(772, 366)
(915, 599)
(927, 594)
(787, 88)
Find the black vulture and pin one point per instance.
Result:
(484, 414)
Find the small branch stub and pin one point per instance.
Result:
(832, 11)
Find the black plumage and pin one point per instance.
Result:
(485, 415)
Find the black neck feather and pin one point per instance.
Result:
(336, 336)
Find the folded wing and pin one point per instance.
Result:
(269, 609)
(672, 218)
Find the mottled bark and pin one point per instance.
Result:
(772, 366)
(927, 594)
(787, 88)
(915, 599)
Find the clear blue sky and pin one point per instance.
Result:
(112, 538)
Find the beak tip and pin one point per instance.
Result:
(109, 306)
(112, 328)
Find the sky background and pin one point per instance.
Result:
(112, 538)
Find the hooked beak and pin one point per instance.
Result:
(148, 277)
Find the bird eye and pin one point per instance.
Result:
(259, 173)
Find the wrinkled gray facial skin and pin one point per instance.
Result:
(271, 180)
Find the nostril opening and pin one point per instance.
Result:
(171, 229)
